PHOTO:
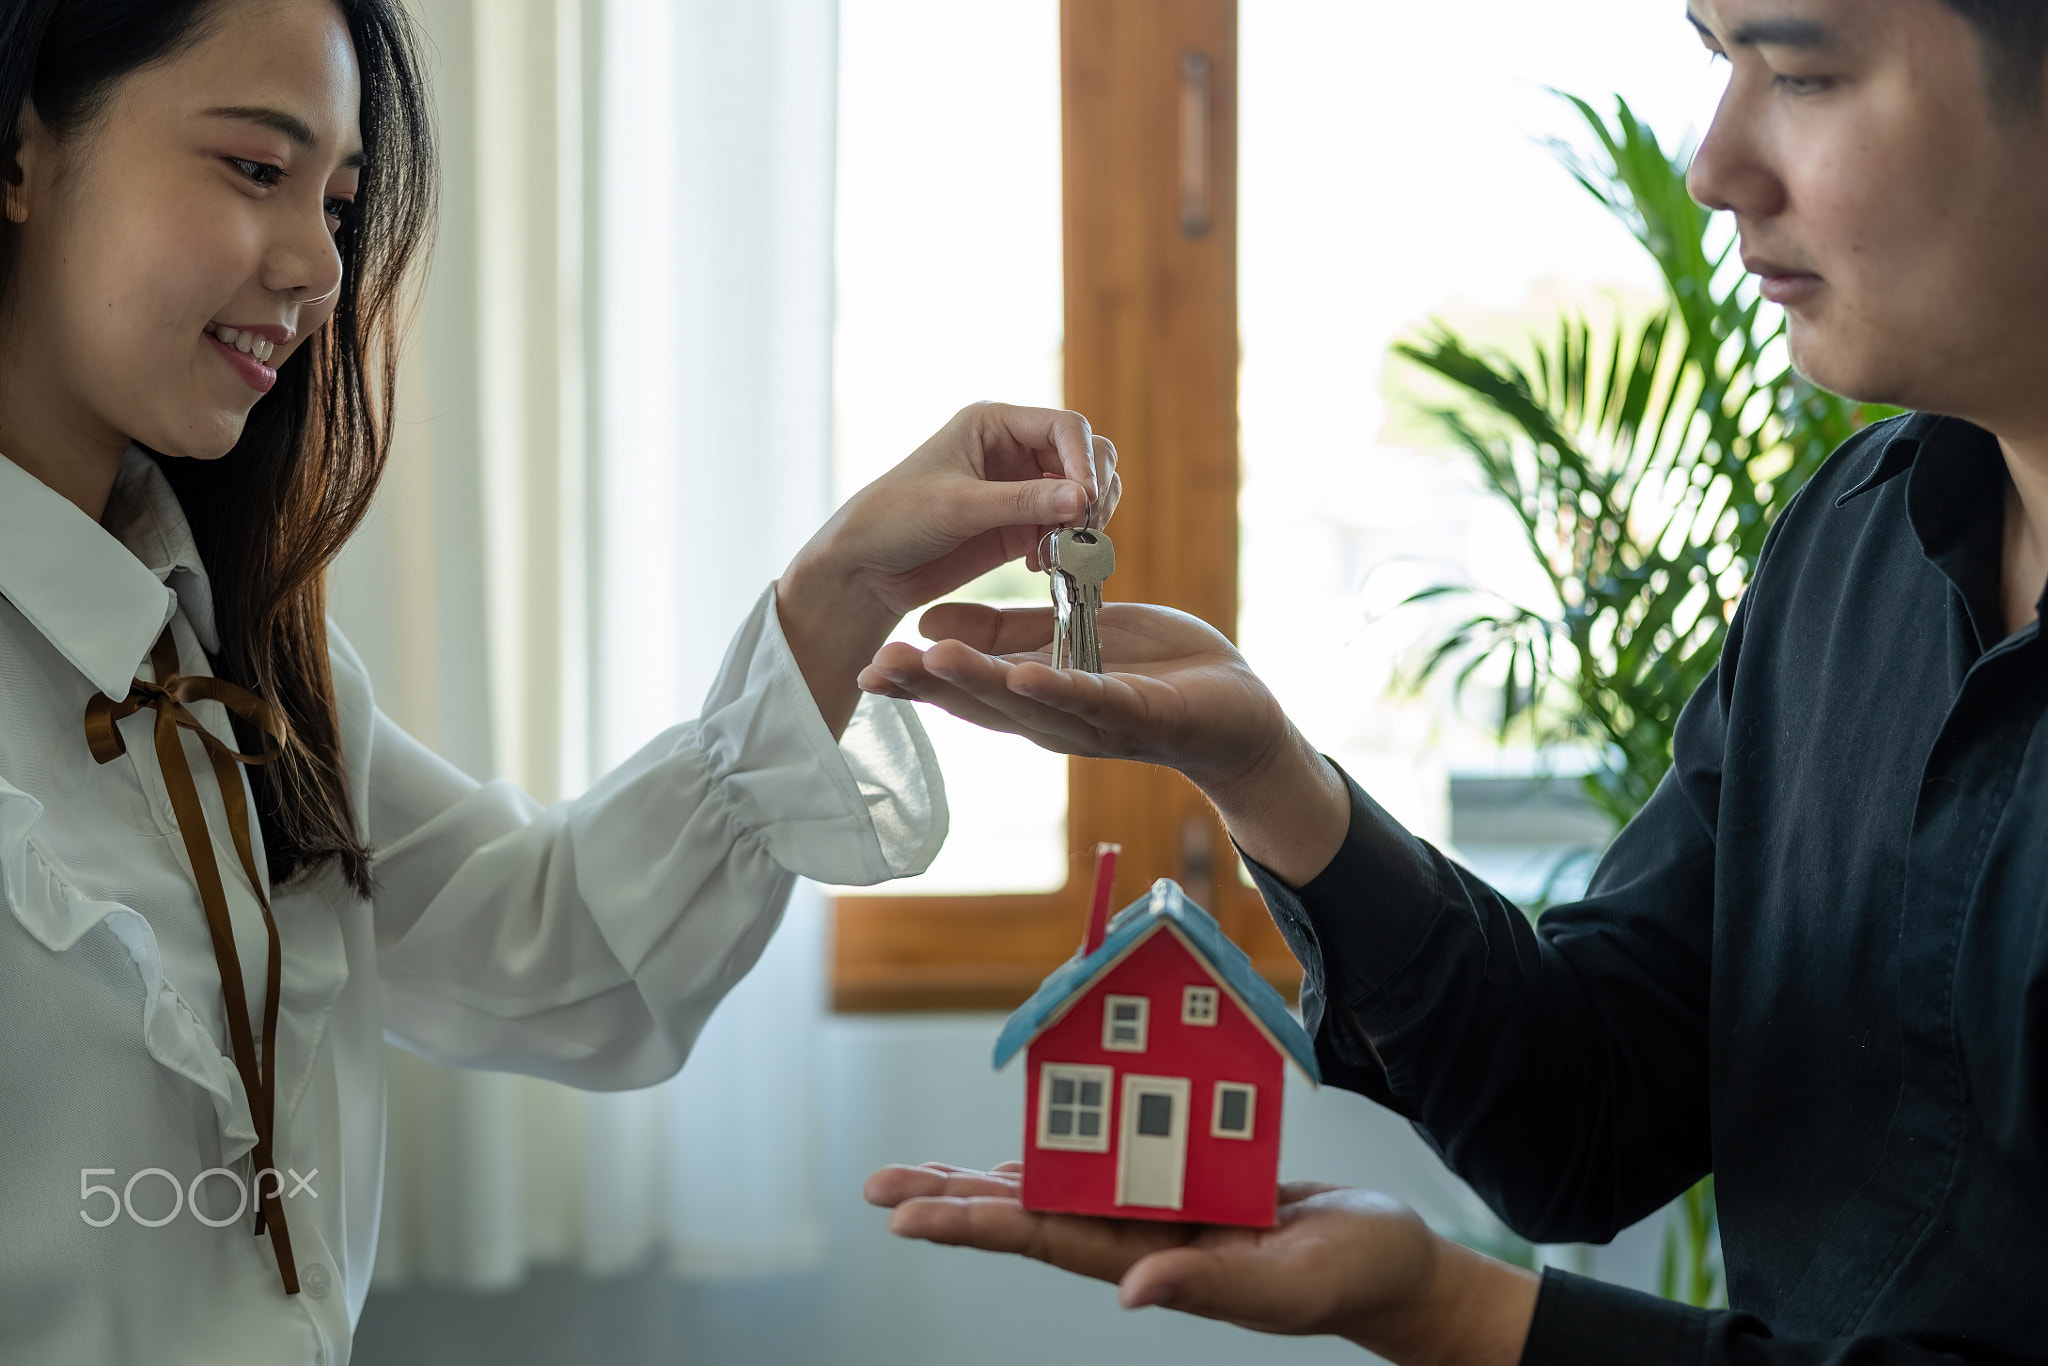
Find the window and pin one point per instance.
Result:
(1123, 1023)
(1234, 1105)
(1148, 348)
(1198, 1006)
(1072, 1105)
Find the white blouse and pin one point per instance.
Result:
(586, 942)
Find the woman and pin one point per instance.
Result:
(225, 875)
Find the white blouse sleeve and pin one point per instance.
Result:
(589, 941)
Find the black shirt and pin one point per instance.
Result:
(1815, 963)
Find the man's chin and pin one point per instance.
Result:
(1857, 374)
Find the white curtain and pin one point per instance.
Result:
(615, 429)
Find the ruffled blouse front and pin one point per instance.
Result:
(586, 942)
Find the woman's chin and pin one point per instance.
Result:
(208, 440)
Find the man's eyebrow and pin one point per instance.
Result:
(291, 126)
(1781, 32)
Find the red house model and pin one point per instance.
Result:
(1156, 1057)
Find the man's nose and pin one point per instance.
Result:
(1729, 172)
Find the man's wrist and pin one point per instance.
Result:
(1473, 1311)
(1289, 811)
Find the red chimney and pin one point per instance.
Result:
(1098, 903)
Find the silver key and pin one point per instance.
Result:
(1079, 560)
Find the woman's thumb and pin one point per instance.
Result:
(991, 504)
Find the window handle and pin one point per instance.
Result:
(1195, 102)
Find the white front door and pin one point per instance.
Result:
(1152, 1154)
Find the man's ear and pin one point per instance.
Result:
(31, 147)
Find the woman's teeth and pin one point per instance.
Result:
(248, 343)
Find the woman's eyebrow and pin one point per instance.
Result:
(294, 128)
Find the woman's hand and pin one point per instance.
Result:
(1176, 693)
(1348, 1262)
(983, 491)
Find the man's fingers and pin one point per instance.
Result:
(891, 1186)
(971, 688)
(1294, 1192)
(991, 1223)
(1102, 1248)
(1239, 1282)
(991, 630)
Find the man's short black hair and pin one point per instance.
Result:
(2015, 35)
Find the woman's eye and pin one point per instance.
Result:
(337, 208)
(261, 172)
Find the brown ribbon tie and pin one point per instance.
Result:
(168, 697)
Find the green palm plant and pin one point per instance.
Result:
(1645, 461)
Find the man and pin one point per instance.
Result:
(1816, 964)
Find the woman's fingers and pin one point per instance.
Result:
(1112, 484)
(1017, 443)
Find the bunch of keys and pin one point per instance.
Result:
(1078, 559)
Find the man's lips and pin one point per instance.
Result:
(1780, 283)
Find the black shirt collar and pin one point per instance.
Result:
(1955, 501)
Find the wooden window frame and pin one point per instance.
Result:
(1149, 178)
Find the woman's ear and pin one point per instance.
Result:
(31, 148)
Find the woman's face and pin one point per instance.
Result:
(180, 249)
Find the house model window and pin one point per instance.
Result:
(1234, 1105)
(1198, 1006)
(1123, 1023)
(1073, 1108)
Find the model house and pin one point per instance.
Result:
(1156, 1057)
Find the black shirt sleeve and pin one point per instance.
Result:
(1560, 1070)
(1581, 1322)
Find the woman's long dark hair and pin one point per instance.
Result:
(273, 513)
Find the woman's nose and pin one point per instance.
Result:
(306, 263)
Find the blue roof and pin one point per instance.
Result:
(1165, 903)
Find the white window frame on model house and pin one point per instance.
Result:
(1080, 1074)
(1137, 1023)
(1251, 1110)
(1200, 1005)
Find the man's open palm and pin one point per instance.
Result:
(1338, 1261)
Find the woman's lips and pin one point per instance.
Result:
(254, 373)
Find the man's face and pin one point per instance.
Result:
(1900, 218)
